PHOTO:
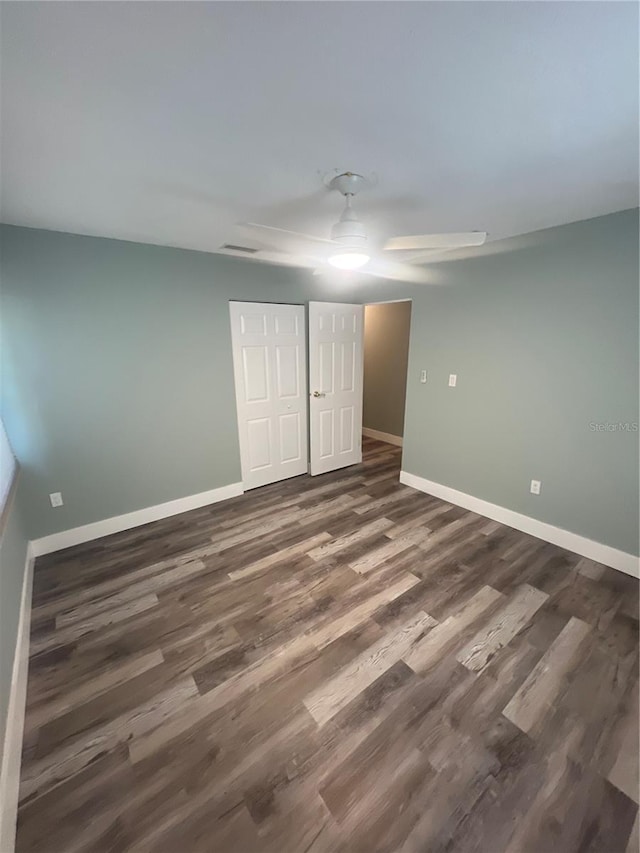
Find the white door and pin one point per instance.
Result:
(269, 360)
(335, 383)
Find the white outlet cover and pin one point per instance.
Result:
(453, 378)
(423, 376)
(56, 499)
(536, 485)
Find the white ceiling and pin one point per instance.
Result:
(170, 122)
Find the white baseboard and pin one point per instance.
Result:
(627, 563)
(383, 436)
(98, 529)
(12, 747)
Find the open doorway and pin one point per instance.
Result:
(386, 355)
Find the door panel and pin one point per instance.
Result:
(335, 373)
(290, 449)
(348, 365)
(288, 375)
(286, 324)
(346, 429)
(271, 391)
(255, 366)
(259, 443)
(326, 353)
(254, 324)
(326, 433)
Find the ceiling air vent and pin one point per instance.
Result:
(244, 249)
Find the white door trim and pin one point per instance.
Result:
(389, 301)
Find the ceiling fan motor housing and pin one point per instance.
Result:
(349, 230)
(351, 234)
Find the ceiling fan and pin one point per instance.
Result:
(347, 248)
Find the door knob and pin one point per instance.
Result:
(319, 394)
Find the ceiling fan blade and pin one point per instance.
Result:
(280, 258)
(280, 238)
(438, 241)
(430, 256)
(382, 268)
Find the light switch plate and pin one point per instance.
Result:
(56, 499)
(453, 378)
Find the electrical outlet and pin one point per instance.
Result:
(423, 376)
(56, 499)
(453, 378)
(535, 487)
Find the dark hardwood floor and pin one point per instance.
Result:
(330, 664)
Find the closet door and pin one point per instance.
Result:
(335, 377)
(269, 359)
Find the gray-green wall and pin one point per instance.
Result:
(117, 380)
(542, 332)
(386, 351)
(13, 555)
(118, 387)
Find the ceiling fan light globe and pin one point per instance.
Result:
(348, 260)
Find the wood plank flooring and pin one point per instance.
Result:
(337, 664)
